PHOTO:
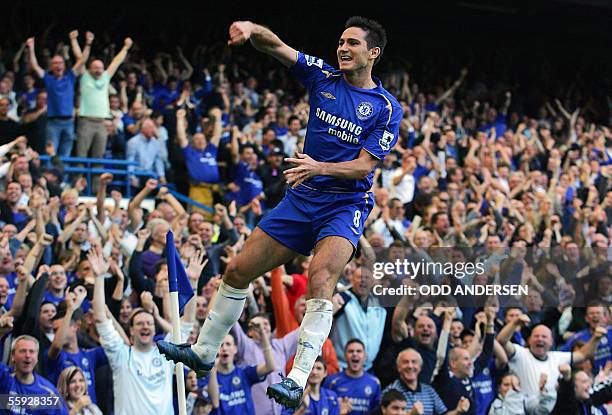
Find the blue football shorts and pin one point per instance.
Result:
(306, 215)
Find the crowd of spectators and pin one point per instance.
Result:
(84, 284)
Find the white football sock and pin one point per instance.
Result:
(225, 311)
(314, 330)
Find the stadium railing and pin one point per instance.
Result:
(84, 166)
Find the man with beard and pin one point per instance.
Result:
(362, 389)
(529, 362)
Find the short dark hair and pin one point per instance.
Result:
(137, 312)
(353, 340)
(390, 396)
(376, 36)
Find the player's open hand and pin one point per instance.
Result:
(239, 33)
(306, 168)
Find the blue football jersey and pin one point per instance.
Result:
(363, 392)
(343, 120)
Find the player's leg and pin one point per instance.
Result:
(331, 255)
(260, 254)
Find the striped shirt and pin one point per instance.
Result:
(432, 404)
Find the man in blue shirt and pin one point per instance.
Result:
(24, 381)
(60, 96)
(229, 387)
(596, 315)
(64, 351)
(354, 123)
(57, 284)
(201, 159)
(362, 389)
(145, 149)
(319, 400)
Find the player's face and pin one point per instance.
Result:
(77, 387)
(395, 408)
(353, 54)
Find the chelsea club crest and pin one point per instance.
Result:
(364, 110)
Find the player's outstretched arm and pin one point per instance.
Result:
(262, 39)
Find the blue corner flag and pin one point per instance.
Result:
(178, 280)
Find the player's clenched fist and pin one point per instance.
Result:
(239, 32)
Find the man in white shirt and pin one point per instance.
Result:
(394, 220)
(530, 362)
(402, 180)
(142, 377)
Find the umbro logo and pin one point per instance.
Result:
(327, 95)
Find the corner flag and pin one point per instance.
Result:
(177, 277)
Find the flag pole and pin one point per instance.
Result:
(176, 338)
(175, 317)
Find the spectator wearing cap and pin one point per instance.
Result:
(271, 174)
(201, 159)
(64, 351)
